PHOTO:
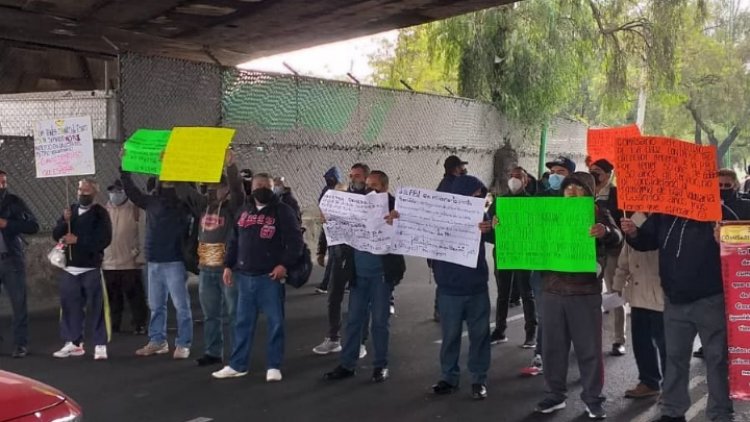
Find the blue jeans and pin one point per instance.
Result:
(255, 294)
(169, 280)
(215, 297)
(649, 346)
(13, 280)
(369, 294)
(536, 287)
(475, 310)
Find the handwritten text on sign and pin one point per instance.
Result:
(438, 225)
(64, 147)
(545, 234)
(143, 151)
(601, 143)
(357, 221)
(668, 176)
(735, 263)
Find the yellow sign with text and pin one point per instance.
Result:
(195, 154)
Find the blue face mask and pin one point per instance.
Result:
(555, 181)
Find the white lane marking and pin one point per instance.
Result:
(696, 408)
(492, 326)
(653, 412)
(696, 381)
(201, 419)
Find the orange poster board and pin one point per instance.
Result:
(668, 176)
(600, 143)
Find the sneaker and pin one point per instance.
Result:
(339, 373)
(228, 372)
(393, 310)
(514, 304)
(153, 349)
(497, 337)
(443, 388)
(478, 391)
(362, 351)
(596, 411)
(536, 367)
(548, 406)
(380, 375)
(273, 375)
(327, 346)
(68, 350)
(321, 291)
(699, 354)
(20, 352)
(530, 343)
(617, 350)
(208, 360)
(100, 353)
(181, 352)
(641, 391)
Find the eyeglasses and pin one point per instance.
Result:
(726, 185)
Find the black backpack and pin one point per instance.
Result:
(299, 273)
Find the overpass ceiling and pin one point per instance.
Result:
(231, 31)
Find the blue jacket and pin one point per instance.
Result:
(447, 183)
(20, 221)
(457, 280)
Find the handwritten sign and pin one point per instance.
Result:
(143, 151)
(437, 225)
(668, 176)
(196, 154)
(545, 234)
(357, 221)
(64, 147)
(601, 143)
(735, 264)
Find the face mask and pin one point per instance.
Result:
(85, 200)
(263, 195)
(555, 180)
(2, 192)
(598, 177)
(515, 185)
(358, 186)
(278, 190)
(727, 194)
(117, 198)
(168, 192)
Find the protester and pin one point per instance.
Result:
(333, 180)
(285, 195)
(266, 241)
(637, 277)
(166, 226)
(572, 315)
(86, 230)
(16, 219)
(373, 282)
(121, 267)
(463, 296)
(560, 168)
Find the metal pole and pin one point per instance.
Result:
(543, 150)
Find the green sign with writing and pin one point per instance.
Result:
(545, 234)
(143, 151)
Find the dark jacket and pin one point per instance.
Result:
(167, 221)
(20, 221)
(609, 202)
(457, 280)
(289, 199)
(263, 239)
(94, 231)
(689, 259)
(332, 178)
(447, 183)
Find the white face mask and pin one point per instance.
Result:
(117, 198)
(515, 185)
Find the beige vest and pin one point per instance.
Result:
(126, 248)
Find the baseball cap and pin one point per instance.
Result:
(453, 161)
(565, 162)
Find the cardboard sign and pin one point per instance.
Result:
(196, 154)
(668, 176)
(64, 147)
(602, 143)
(545, 234)
(143, 151)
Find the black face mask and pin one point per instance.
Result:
(727, 194)
(263, 195)
(2, 192)
(168, 192)
(85, 200)
(598, 177)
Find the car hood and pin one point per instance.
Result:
(21, 396)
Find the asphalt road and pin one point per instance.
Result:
(129, 388)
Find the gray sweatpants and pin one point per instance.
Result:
(681, 323)
(576, 320)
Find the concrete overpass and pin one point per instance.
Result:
(63, 44)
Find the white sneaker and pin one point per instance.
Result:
(68, 350)
(273, 375)
(100, 353)
(327, 346)
(181, 352)
(362, 351)
(228, 372)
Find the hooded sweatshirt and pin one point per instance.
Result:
(457, 280)
(332, 174)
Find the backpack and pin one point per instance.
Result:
(299, 273)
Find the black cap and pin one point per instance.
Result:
(565, 162)
(117, 184)
(453, 162)
(604, 165)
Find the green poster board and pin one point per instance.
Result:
(545, 234)
(143, 151)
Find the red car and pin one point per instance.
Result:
(25, 400)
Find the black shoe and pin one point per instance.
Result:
(20, 352)
(338, 373)
(671, 419)
(139, 331)
(442, 388)
(515, 304)
(380, 374)
(497, 337)
(699, 354)
(617, 350)
(478, 391)
(436, 316)
(208, 360)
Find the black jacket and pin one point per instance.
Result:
(20, 221)
(289, 199)
(94, 232)
(447, 183)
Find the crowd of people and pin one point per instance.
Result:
(243, 235)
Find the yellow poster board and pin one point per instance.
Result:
(195, 154)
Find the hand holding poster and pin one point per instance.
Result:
(357, 220)
(545, 234)
(196, 154)
(651, 177)
(143, 151)
(602, 143)
(64, 147)
(437, 225)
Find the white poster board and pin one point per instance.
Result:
(437, 225)
(357, 220)
(64, 147)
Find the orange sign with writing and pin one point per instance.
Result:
(668, 176)
(601, 143)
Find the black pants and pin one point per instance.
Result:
(13, 281)
(128, 284)
(649, 347)
(340, 257)
(505, 280)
